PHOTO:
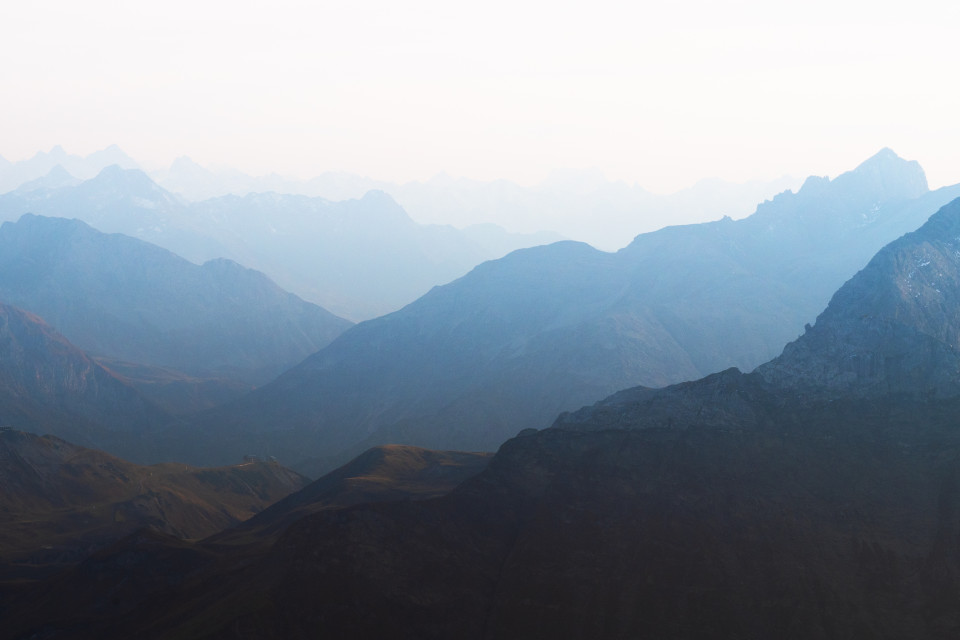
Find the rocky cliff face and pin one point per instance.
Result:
(893, 328)
(48, 385)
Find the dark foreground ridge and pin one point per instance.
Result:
(60, 502)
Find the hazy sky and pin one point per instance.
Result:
(658, 93)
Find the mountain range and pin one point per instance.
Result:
(60, 164)
(816, 497)
(548, 329)
(359, 258)
(580, 204)
(122, 298)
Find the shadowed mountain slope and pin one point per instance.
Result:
(382, 474)
(548, 329)
(119, 297)
(174, 391)
(61, 501)
(49, 385)
(895, 327)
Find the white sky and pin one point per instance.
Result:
(661, 94)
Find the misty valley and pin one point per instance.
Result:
(263, 408)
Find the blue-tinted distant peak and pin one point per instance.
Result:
(380, 206)
(884, 177)
(889, 176)
(55, 178)
(377, 196)
(112, 155)
(185, 162)
(134, 179)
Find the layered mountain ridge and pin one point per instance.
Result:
(549, 329)
(359, 258)
(739, 505)
(891, 331)
(123, 298)
(778, 503)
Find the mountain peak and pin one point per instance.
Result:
(887, 176)
(112, 155)
(185, 163)
(380, 207)
(55, 178)
(374, 196)
(134, 181)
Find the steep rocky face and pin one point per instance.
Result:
(119, 297)
(546, 330)
(891, 331)
(894, 327)
(48, 385)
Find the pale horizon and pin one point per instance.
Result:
(661, 97)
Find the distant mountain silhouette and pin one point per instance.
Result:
(122, 298)
(14, 175)
(817, 497)
(550, 329)
(579, 204)
(359, 258)
(362, 257)
(56, 178)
